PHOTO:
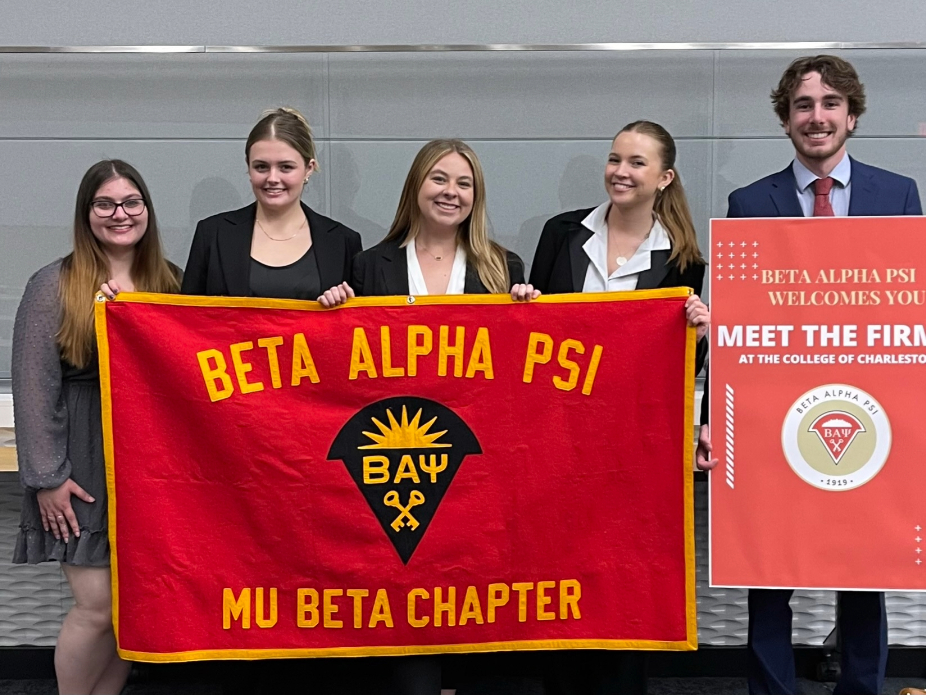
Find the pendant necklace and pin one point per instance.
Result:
(622, 260)
(436, 258)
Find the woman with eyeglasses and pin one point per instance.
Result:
(59, 434)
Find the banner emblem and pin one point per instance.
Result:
(403, 453)
(837, 430)
(836, 437)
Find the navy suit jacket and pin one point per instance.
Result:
(875, 193)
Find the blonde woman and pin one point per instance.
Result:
(277, 246)
(59, 434)
(439, 241)
(437, 244)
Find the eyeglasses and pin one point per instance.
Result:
(132, 207)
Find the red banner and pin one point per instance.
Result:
(818, 369)
(398, 476)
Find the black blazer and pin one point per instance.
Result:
(383, 271)
(560, 265)
(560, 262)
(220, 258)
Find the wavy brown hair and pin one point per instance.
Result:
(86, 267)
(835, 73)
(487, 257)
(671, 206)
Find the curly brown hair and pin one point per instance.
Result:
(834, 72)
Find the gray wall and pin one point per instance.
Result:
(51, 22)
(541, 123)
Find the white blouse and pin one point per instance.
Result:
(416, 283)
(596, 248)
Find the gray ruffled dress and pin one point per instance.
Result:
(59, 432)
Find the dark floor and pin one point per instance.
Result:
(657, 686)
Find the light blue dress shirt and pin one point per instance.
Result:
(839, 194)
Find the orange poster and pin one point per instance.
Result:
(818, 376)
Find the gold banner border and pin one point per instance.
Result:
(689, 644)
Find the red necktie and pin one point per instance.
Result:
(821, 201)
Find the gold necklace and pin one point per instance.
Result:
(425, 249)
(304, 220)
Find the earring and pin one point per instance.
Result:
(306, 180)
(662, 189)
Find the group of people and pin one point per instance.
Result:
(641, 237)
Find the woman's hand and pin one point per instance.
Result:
(698, 315)
(110, 290)
(55, 508)
(703, 459)
(336, 296)
(524, 293)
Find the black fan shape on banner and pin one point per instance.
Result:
(403, 453)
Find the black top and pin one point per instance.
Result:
(382, 271)
(298, 280)
(220, 258)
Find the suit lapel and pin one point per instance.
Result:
(658, 269)
(329, 254)
(234, 244)
(784, 194)
(578, 259)
(394, 269)
(863, 199)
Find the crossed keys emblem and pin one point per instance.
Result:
(414, 499)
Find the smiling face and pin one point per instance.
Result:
(634, 172)
(277, 173)
(445, 199)
(121, 231)
(818, 123)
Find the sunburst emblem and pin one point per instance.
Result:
(401, 474)
(405, 434)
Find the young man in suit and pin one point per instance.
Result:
(819, 101)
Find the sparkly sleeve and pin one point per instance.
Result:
(38, 398)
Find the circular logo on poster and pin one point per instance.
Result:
(836, 437)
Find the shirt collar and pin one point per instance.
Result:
(842, 173)
(596, 247)
(597, 219)
(658, 239)
(597, 222)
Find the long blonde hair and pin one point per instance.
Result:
(671, 206)
(86, 267)
(488, 258)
